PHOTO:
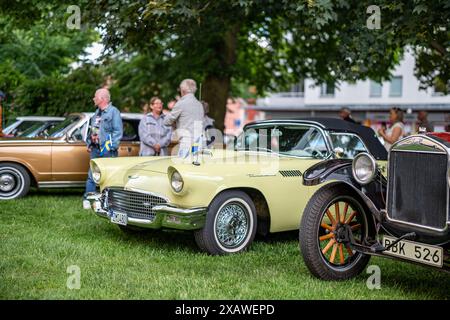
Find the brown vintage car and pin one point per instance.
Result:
(60, 160)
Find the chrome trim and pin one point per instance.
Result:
(18, 141)
(141, 191)
(138, 222)
(61, 184)
(417, 151)
(175, 210)
(417, 225)
(373, 162)
(444, 149)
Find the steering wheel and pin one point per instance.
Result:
(314, 152)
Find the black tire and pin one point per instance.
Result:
(14, 181)
(230, 212)
(311, 231)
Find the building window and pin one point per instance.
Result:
(375, 89)
(327, 89)
(396, 87)
(298, 89)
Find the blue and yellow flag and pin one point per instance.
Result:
(106, 145)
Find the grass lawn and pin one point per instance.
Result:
(44, 233)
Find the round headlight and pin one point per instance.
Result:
(176, 181)
(364, 168)
(96, 174)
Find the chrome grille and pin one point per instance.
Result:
(418, 191)
(134, 204)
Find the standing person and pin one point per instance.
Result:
(208, 125)
(105, 133)
(208, 122)
(396, 130)
(422, 122)
(154, 135)
(188, 116)
(346, 114)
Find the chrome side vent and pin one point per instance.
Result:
(290, 173)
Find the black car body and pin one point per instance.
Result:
(406, 216)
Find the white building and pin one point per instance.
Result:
(368, 100)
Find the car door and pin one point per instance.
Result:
(299, 147)
(129, 145)
(70, 158)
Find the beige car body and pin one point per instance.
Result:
(61, 162)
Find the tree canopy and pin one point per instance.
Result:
(273, 43)
(152, 45)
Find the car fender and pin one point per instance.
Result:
(339, 171)
(37, 176)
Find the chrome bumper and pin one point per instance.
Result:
(166, 216)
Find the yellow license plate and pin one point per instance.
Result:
(415, 251)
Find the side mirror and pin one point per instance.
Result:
(68, 138)
(338, 152)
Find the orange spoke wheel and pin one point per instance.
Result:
(332, 217)
(338, 216)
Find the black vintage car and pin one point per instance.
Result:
(358, 213)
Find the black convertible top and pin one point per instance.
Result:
(367, 135)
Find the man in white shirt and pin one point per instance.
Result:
(188, 115)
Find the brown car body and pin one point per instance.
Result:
(57, 162)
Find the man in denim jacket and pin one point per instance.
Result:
(106, 123)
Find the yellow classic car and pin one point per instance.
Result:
(226, 196)
(58, 160)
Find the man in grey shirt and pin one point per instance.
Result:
(187, 114)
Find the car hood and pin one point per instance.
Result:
(221, 161)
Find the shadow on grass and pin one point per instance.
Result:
(56, 192)
(170, 240)
(278, 237)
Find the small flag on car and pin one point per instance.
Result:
(106, 145)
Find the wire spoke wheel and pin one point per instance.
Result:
(232, 225)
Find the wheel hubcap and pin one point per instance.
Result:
(232, 225)
(7, 182)
(339, 220)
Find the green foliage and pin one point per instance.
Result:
(59, 94)
(274, 43)
(225, 45)
(48, 231)
(37, 52)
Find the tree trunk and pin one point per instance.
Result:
(215, 91)
(217, 85)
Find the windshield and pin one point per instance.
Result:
(292, 140)
(61, 128)
(39, 129)
(17, 131)
(351, 144)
